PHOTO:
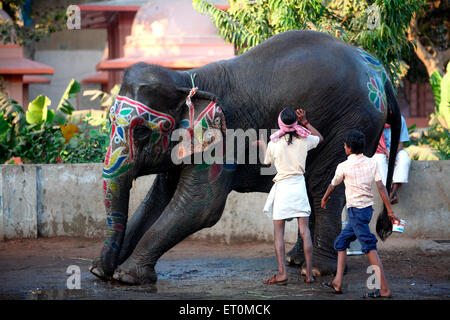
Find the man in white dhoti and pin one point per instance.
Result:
(288, 199)
(402, 161)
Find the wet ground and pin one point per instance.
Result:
(36, 269)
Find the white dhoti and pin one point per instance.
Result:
(288, 199)
(401, 169)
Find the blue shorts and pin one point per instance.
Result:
(357, 228)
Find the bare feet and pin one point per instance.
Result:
(394, 199)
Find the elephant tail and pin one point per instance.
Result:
(384, 224)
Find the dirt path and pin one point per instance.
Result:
(36, 269)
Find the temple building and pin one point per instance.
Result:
(115, 34)
(18, 72)
(170, 33)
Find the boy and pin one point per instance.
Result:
(358, 173)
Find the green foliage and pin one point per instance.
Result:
(72, 89)
(39, 135)
(106, 99)
(422, 153)
(441, 91)
(30, 24)
(12, 124)
(38, 110)
(38, 142)
(443, 105)
(432, 144)
(89, 145)
(435, 82)
(377, 26)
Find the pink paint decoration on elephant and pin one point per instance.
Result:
(125, 114)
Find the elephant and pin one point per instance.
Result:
(340, 86)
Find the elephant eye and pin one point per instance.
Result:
(141, 133)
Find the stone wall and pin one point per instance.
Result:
(67, 200)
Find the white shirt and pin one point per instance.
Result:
(289, 160)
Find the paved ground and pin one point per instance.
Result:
(36, 269)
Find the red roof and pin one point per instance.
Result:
(31, 78)
(99, 77)
(19, 66)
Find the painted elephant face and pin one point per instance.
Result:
(135, 126)
(137, 130)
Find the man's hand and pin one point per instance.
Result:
(260, 142)
(301, 116)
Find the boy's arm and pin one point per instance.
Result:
(338, 178)
(384, 196)
(326, 196)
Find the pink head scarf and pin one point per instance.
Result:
(284, 128)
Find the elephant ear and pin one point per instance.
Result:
(202, 124)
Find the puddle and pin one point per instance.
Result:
(40, 274)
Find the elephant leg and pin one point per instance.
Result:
(198, 202)
(149, 211)
(146, 214)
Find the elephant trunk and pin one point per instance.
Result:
(117, 194)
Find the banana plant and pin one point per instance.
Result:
(39, 113)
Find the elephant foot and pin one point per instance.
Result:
(134, 274)
(323, 265)
(315, 272)
(295, 256)
(97, 270)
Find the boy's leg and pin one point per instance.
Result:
(376, 261)
(393, 196)
(307, 245)
(341, 244)
(279, 248)
(368, 241)
(337, 281)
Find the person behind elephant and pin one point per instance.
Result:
(402, 161)
(288, 198)
(358, 173)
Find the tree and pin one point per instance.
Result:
(378, 26)
(27, 24)
(429, 30)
